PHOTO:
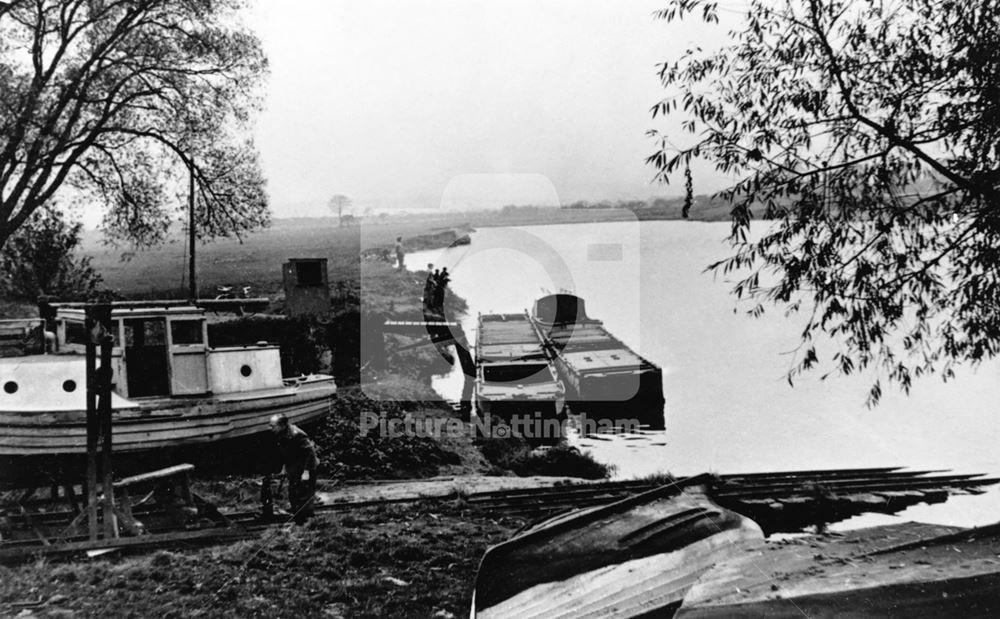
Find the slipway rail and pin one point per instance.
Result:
(787, 501)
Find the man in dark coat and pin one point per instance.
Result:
(429, 288)
(441, 285)
(296, 454)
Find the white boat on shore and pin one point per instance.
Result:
(170, 388)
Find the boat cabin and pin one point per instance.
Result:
(560, 309)
(164, 351)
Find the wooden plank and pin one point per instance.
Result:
(31, 523)
(154, 540)
(818, 480)
(850, 486)
(421, 323)
(213, 304)
(154, 475)
(810, 472)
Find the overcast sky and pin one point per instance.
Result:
(457, 103)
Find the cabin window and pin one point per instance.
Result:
(246, 370)
(186, 332)
(153, 333)
(69, 386)
(10, 386)
(76, 333)
(309, 273)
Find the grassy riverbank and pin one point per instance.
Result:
(391, 561)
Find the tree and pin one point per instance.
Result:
(122, 101)
(337, 204)
(39, 259)
(868, 133)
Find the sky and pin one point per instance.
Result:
(423, 104)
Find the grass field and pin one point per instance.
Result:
(257, 260)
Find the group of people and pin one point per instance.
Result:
(434, 289)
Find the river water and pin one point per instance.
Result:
(729, 407)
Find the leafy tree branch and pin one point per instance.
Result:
(119, 100)
(866, 133)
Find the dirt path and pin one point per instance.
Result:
(436, 487)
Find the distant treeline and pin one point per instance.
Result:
(705, 208)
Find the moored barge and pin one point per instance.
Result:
(514, 376)
(603, 377)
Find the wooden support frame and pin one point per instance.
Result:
(99, 423)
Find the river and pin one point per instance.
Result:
(729, 407)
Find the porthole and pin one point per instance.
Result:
(246, 370)
(10, 386)
(69, 386)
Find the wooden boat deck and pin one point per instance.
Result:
(514, 373)
(504, 335)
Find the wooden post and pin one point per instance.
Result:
(92, 428)
(192, 236)
(104, 376)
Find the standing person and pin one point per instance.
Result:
(399, 253)
(297, 455)
(432, 292)
(429, 287)
(440, 288)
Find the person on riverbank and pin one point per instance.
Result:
(295, 453)
(400, 256)
(440, 286)
(429, 288)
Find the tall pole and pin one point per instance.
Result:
(192, 282)
(93, 426)
(104, 374)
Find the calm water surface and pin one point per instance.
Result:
(729, 407)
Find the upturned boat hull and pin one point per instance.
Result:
(635, 557)
(905, 570)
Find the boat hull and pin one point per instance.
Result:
(626, 398)
(631, 558)
(905, 570)
(163, 422)
(222, 429)
(604, 378)
(508, 409)
(515, 378)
